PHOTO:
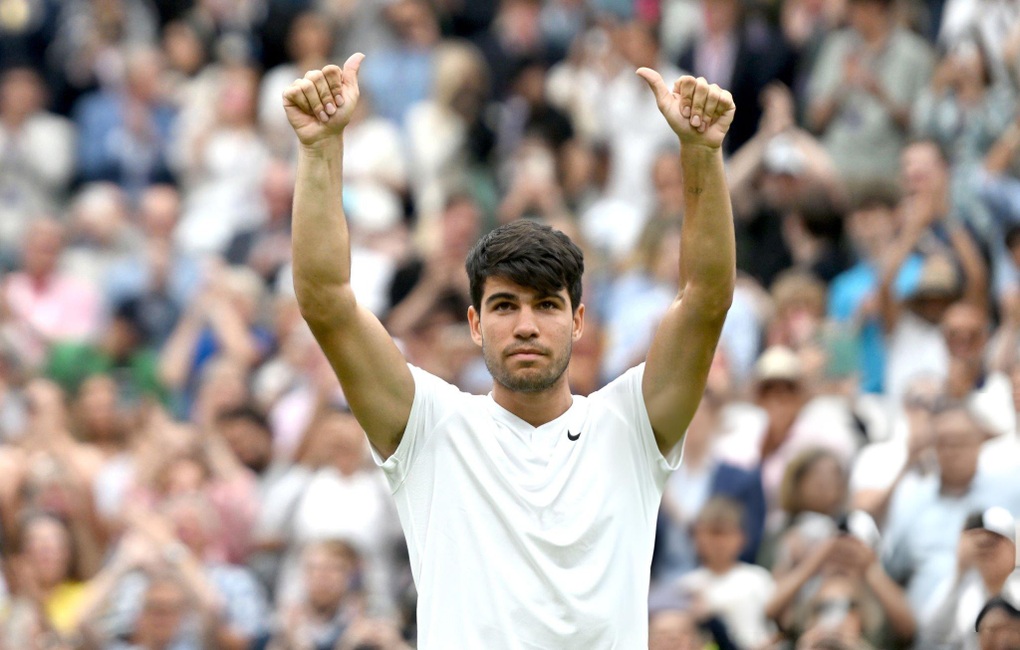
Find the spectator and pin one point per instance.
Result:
(403, 73)
(914, 343)
(920, 514)
(628, 123)
(354, 496)
(330, 601)
(36, 154)
(813, 498)
(838, 588)
(998, 625)
(44, 305)
(161, 277)
(48, 574)
(984, 560)
(119, 352)
(701, 478)
(677, 629)
(862, 87)
(182, 533)
(870, 227)
(734, 591)
(789, 421)
(964, 110)
(221, 162)
(309, 45)
(742, 54)
(266, 248)
(221, 323)
(446, 135)
(124, 132)
(178, 610)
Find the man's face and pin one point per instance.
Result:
(957, 445)
(43, 246)
(249, 441)
(526, 336)
(999, 631)
(326, 579)
(966, 332)
(870, 229)
(162, 613)
(718, 543)
(922, 167)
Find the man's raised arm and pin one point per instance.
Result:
(375, 378)
(684, 344)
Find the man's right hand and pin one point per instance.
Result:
(320, 104)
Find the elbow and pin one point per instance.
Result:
(323, 304)
(713, 301)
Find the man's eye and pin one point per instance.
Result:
(547, 304)
(502, 306)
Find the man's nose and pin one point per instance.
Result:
(526, 327)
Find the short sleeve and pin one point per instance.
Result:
(433, 400)
(625, 394)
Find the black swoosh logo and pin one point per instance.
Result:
(572, 437)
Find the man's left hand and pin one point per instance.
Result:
(700, 113)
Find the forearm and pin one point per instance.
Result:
(743, 167)
(821, 113)
(1000, 156)
(232, 334)
(975, 271)
(894, 603)
(178, 354)
(707, 247)
(321, 240)
(789, 585)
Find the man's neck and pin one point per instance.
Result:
(876, 35)
(535, 408)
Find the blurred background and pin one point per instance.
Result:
(178, 468)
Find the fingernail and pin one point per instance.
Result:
(323, 116)
(696, 121)
(339, 100)
(330, 108)
(686, 111)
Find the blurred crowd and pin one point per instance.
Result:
(178, 469)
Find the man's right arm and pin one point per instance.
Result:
(376, 380)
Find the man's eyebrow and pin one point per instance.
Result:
(550, 296)
(502, 295)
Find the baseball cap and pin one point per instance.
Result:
(995, 519)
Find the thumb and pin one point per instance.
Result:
(655, 82)
(353, 64)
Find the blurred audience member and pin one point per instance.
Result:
(862, 87)
(36, 154)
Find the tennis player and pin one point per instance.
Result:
(529, 513)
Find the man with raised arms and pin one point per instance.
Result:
(529, 513)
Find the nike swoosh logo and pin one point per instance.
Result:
(572, 437)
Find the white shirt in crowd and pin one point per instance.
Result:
(738, 597)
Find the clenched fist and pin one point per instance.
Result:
(698, 112)
(320, 104)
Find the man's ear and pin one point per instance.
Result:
(578, 322)
(475, 321)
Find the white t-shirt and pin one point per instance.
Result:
(738, 597)
(528, 538)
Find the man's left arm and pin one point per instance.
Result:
(684, 344)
